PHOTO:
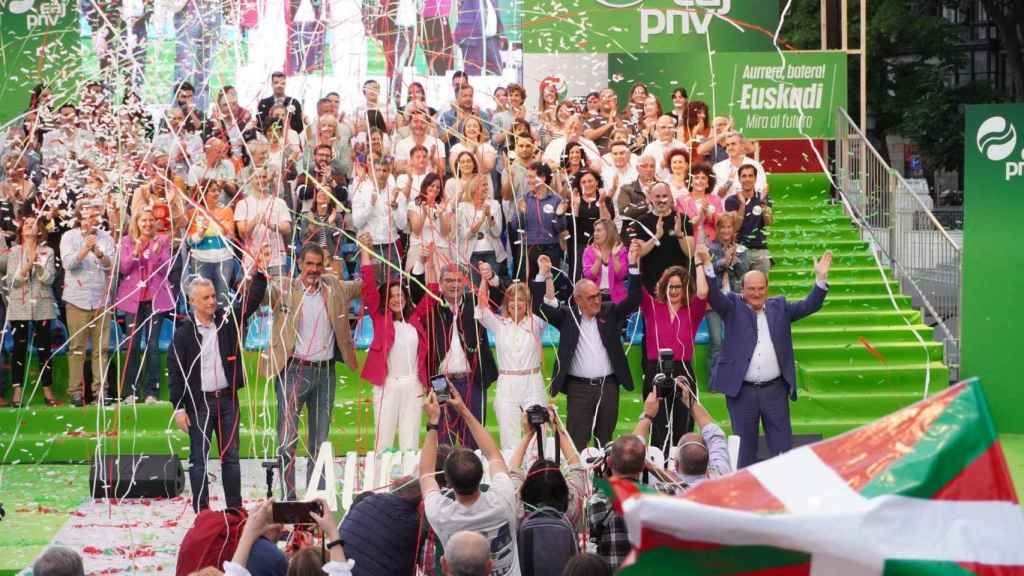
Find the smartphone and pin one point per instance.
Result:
(439, 384)
(296, 512)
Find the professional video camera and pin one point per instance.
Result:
(665, 379)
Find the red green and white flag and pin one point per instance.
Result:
(924, 491)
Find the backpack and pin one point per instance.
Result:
(546, 540)
(210, 541)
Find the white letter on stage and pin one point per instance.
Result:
(324, 467)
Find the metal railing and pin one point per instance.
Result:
(907, 236)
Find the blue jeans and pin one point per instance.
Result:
(301, 386)
(142, 375)
(210, 415)
(222, 274)
(196, 43)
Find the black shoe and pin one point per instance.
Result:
(77, 401)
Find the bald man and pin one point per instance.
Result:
(755, 369)
(466, 554)
(591, 362)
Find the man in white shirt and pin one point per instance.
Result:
(87, 254)
(665, 129)
(756, 369)
(494, 513)
(311, 332)
(591, 363)
(205, 371)
(183, 148)
(263, 221)
(419, 136)
(214, 166)
(574, 133)
(727, 171)
(380, 209)
(620, 172)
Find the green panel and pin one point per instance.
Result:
(768, 95)
(647, 26)
(993, 203)
(39, 41)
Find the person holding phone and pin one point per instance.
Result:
(396, 363)
(261, 521)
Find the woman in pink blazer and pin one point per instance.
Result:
(604, 261)
(396, 363)
(144, 295)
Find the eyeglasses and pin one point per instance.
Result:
(674, 287)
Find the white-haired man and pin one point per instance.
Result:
(206, 371)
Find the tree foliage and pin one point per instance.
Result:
(912, 55)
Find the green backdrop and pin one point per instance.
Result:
(993, 263)
(606, 26)
(766, 97)
(39, 43)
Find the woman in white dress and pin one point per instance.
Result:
(517, 339)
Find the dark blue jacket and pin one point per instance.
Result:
(380, 534)
(741, 335)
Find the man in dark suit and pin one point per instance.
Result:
(591, 362)
(206, 371)
(293, 108)
(456, 344)
(755, 368)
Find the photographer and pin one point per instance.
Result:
(536, 489)
(671, 319)
(493, 513)
(626, 459)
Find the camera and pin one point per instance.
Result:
(537, 415)
(664, 380)
(439, 384)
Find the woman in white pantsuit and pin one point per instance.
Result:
(517, 338)
(396, 362)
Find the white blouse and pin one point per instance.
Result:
(518, 345)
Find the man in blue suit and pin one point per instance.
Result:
(755, 369)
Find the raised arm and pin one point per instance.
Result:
(483, 438)
(632, 300)
(813, 302)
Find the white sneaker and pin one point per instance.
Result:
(151, 400)
(129, 399)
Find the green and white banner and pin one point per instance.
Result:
(991, 316)
(39, 40)
(648, 26)
(768, 94)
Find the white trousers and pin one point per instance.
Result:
(397, 405)
(514, 395)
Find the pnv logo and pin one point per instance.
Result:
(997, 141)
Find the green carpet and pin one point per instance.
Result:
(38, 500)
(858, 358)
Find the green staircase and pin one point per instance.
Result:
(842, 383)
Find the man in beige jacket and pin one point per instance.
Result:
(311, 332)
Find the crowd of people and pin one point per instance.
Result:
(439, 227)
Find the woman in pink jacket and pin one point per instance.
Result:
(144, 295)
(396, 363)
(604, 261)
